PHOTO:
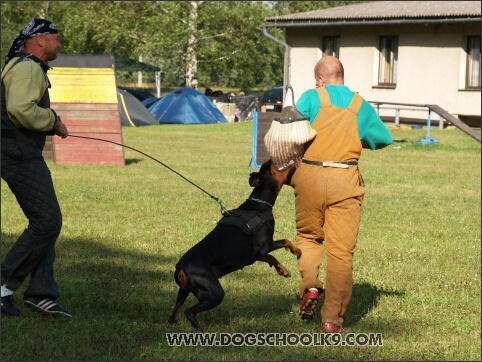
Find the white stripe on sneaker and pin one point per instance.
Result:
(46, 304)
(5, 291)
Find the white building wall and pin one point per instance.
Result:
(431, 64)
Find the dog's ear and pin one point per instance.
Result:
(254, 179)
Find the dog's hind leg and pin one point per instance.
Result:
(272, 261)
(181, 280)
(209, 294)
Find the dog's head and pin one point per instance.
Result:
(269, 172)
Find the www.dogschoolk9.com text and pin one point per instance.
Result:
(274, 339)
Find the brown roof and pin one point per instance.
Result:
(388, 11)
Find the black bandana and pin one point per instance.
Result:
(33, 28)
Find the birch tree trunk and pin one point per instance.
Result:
(191, 59)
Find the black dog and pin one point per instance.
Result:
(241, 237)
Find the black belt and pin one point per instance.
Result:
(339, 164)
(8, 133)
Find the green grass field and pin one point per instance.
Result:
(416, 271)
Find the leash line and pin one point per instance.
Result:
(217, 199)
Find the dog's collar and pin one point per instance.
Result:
(260, 201)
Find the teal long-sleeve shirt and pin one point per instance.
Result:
(371, 129)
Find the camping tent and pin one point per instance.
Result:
(149, 101)
(186, 106)
(132, 111)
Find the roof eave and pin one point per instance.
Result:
(320, 22)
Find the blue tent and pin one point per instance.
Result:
(149, 101)
(186, 106)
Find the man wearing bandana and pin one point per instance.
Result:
(27, 119)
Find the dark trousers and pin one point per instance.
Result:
(33, 254)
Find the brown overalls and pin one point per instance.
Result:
(328, 206)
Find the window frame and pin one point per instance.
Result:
(472, 79)
(331, 46)
(388, 60)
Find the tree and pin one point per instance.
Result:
(15, 15)
(232, 49)
(290, 7)
(218, 43)
(191, 57)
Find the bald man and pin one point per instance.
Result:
(329, 190)
(27, 119)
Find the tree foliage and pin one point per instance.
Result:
(290, 7)
(221, 43)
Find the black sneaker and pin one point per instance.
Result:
(46, 306)
(8, 307)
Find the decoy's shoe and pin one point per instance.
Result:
(328, 327)
(308, 303)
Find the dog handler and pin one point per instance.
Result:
(329, 189)
(26, 121)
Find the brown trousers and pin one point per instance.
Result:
(328, 208)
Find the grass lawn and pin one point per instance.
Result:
(416, 272)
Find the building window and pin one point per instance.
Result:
(473, 62)
(387, 70)
(331, 46)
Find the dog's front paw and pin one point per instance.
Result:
(296, 251)
(293, 249)
(281, 270)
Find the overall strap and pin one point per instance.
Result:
(354, 106)
(324, 97)
(355, 103)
